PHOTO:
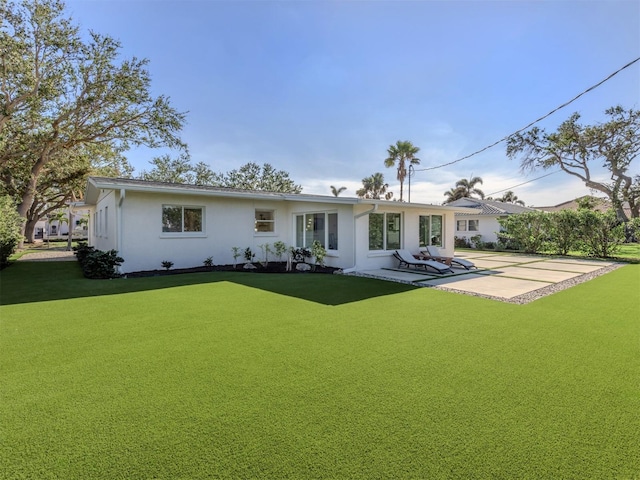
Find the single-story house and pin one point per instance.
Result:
(599, 204)
(151, 222)
(50, 228)
(484, 219)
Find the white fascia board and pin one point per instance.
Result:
(417, 206)
(94, 185)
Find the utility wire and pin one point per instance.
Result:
(524, 183)
(534, 122)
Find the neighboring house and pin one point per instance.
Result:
(150, 222)
(599, 204)
(484, 221)
(49, 228)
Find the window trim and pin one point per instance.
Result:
(442, 229)
(326, 214)
(273, 222)
(385, 230)
(183, 234)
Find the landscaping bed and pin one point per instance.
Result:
(272, 267)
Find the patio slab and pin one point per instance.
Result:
(502, 277)
(398, 275)
(568, 267)
(492, 285)
(539, 274)
(490, 263)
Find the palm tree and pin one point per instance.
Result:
(337, 191)
(402, 152)
(510, 197)
(60, 217)
(464, 189)
(374, 187)
(453, 194)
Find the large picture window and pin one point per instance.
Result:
(181, 219)
(385, 231)
(431, 230)
(322, 227)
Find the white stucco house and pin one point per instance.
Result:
(151, 222)
(483, 220)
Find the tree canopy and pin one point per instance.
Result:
(69, 106)
(249, 176)
(401, 154)
(337, 191)
(578, 149)
(464, 189)
(374, 187)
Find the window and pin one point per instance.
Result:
(265, 221)
(322, 227)
(464, 225)
(106, 221)
(430, 230)
(384, 231)
(180, 219)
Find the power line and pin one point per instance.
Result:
(524, 183)
(534, 122)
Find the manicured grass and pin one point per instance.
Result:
(232, 375)
(629, 251)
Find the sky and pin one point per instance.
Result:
(321, 89)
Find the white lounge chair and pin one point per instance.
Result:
(434, 253)
(406, 258)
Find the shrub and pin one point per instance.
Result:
(632, 230)
(266, 250)
(319, 252)
(461, 242)
(248, 254)
(476, 242)
(529, 230)
(99, 265)
(82, 250)
(565, 231)
(166, 264)
(601, 233)
(208, 262)
(236, 255)
(299, 254)
(10, 229)
(279, 249)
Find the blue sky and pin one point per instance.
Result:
(321, 89)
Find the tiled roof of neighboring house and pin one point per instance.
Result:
(599, 205)
(489, 207)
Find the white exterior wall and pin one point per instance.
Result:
(487, 228)
(103, 228)
(410, 237)
(344, 257)
(227, 223)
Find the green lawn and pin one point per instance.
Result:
(240, 375)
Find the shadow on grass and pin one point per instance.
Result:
(27, 282)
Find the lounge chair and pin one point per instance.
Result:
(407, 259)
(433, 253)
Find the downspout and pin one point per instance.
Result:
(356, 217)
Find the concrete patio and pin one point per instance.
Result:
(502, 276)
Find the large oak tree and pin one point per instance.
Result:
(69, 106)
(577, 149)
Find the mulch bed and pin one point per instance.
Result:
(272, 267)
